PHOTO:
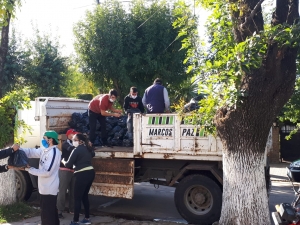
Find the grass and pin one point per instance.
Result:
(16, 212)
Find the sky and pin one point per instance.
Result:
(55, 17)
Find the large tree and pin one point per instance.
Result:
(119, 49)
(7, 11)
(254, 65)
(249, 74)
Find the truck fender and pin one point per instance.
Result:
(205, 166)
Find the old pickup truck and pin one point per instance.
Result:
(167, 151)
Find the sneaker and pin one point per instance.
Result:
(60, 216)
(74, 223)
(85, 221)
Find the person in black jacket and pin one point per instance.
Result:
(81, 160)
(66, 178)
(4, 153)
(132, 104)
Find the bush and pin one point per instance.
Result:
(85, 96)
(9, 123)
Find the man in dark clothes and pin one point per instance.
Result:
(98, 108)
(156, 99)
(132, 104)
(5, 153)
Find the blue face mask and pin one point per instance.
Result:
(45, 143)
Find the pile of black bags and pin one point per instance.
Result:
(116, 129)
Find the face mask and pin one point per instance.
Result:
(111, 100)
(134, 97)
(45, 143)
(75, 143)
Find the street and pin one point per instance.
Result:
(156, 204)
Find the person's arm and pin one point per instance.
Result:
(126, 104)
(144, 100)
(141, 105)
(33, 152)
(104, 113)
(167, 100)
(47, 168)
(72, 159)
(6, 152)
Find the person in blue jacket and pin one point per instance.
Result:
(156, 99)
(4, 153)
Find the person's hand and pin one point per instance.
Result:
(117, 114)
(15, 147)
(63, 161)
(119, 111)
(11, 167)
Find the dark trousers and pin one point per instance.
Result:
(49, 213)
(130, 113)
(93, 117)
(83, 183)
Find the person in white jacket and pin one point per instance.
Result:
(48, 179)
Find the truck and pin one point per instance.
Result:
(167, 150)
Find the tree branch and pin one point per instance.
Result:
(252, 14)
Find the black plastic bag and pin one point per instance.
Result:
(18, 159)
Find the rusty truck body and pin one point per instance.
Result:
(167, 151)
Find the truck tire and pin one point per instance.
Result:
(23, 185)
(198, 199)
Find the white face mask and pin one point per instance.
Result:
(134, 97)
(111, 100)
(75, 143)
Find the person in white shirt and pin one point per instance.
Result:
(48, 179)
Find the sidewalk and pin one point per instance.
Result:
(96, 220)
(278, 177)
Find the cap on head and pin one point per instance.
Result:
(71, 131)
(52, 134)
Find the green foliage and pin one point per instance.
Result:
(16, 212)
(45, 72)
(16, 64)
(76, 83)
(119, 49)
(226, 62)
(7, 7)
(9, 124)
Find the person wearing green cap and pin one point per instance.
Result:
(47, 173)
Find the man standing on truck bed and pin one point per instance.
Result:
(132, 104)
(156, 99)
(98, 108)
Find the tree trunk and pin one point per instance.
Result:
(245, 202)
(3, 51)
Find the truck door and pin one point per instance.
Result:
(114, 178)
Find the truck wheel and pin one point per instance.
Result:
(198, 199)
(23, 185)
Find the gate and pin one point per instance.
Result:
(289, 149)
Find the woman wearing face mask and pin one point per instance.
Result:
(81, 161)
(48, 179)
(100, 107)
(132, 104)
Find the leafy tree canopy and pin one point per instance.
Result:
(120, 49)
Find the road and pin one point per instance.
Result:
(152, 204)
